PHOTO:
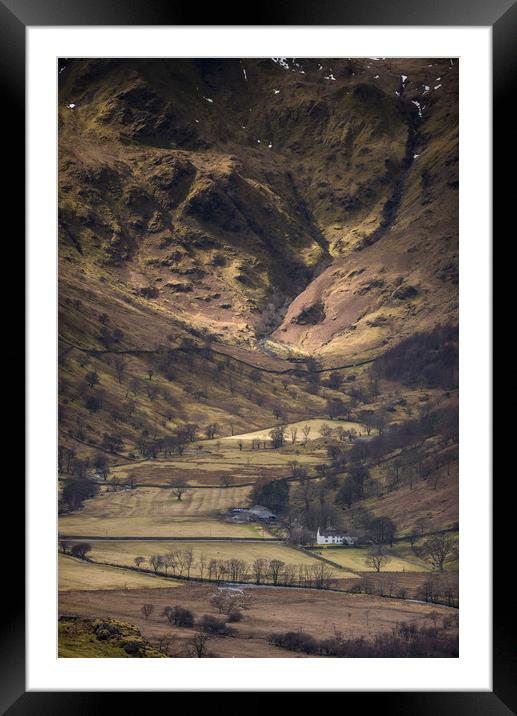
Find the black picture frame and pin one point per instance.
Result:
(501, 15)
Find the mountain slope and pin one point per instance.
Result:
(255, 198)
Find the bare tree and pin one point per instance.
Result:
(177, 489)
(139, 560)
(156, 562)
(275, 567)
(376, 559)
(211, 430)
(277, 436)
(259, 570)
(306, 430)
(120, 367)
(438, 550)
(202, 561)
(227, 480)
(198, 644)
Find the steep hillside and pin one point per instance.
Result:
(219, 216)
(315, 198)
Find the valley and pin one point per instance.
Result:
(258, 343)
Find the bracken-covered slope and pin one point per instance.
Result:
(290, 206)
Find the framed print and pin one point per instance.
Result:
(259, 353)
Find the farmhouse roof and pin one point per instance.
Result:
(261, 511)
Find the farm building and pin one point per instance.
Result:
(240, 516)
(262, 513)
(334, 537)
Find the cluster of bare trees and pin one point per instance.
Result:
(181, 563)
(407, 640)
(75, 549)
(178, 563)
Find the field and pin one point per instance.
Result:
(205, 464)
(156, 512)
(314, 424)
(123, 553)
(354, 558)
(317, 612)
(77, 574)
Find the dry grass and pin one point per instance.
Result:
(405, 506)
(207, 465)
(354, 558)
(124, 553)
(77, 574)
(315, 425)
(156, 512)
(319, 613)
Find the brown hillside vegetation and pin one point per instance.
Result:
(270, 611)
(258, 342)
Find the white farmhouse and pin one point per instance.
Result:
(334, 537)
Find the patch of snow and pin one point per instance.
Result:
(270, 145)
(258, 141)
(330, 77)
(417, 105)
(243, 126)
(438, 79)
(397, 93)
(437, 87)
(282, 61)
(426, 89)
(376, 77)
(415, 156)
(196, 121)
(71, 105)
(276, 91)
(63, 68)
(245, 75)
(320, 67)
(403, 78)
(208, 99)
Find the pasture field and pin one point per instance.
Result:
(354, 558)
(78, 574)
(315, 425)
(317, 612)
(156, 512)
(123, 553)
(408, 583)
(207, 465)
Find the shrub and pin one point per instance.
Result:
(235, 615)
(212, 625)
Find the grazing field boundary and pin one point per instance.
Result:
(252, 585)
(105, 538)
(275, 371)
(309, 551)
